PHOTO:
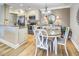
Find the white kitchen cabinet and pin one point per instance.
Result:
(13, 36)
(22, 35)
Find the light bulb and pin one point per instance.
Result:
(57, 17)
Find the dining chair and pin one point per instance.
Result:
(34, 28)
(41, 40)
(63, 41)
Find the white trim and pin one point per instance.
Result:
(11, 44)
(61, 7)
(76, 46)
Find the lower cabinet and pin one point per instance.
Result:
(13, 36)
(22, 35)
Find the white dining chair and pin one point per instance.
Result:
(63, 41)
(47, 27)
(34, 29)
(41, 40)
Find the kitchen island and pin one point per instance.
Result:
(13, 36)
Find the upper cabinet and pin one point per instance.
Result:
(6, 12)
(35, 13)
(1, 14)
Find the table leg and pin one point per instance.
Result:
(55, 44)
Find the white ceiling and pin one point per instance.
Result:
(37, 5)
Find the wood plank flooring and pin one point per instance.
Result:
(28, 49)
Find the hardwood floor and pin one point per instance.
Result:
(28, 49)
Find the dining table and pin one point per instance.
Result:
(54, 33)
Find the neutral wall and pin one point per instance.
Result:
(64, 15)
(74, 25)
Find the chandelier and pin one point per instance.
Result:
(46, 11)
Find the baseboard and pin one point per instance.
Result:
(22, 43)
(76, 46)
(9, 44)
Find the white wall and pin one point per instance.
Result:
(74, 25)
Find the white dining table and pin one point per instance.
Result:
(54, 34)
